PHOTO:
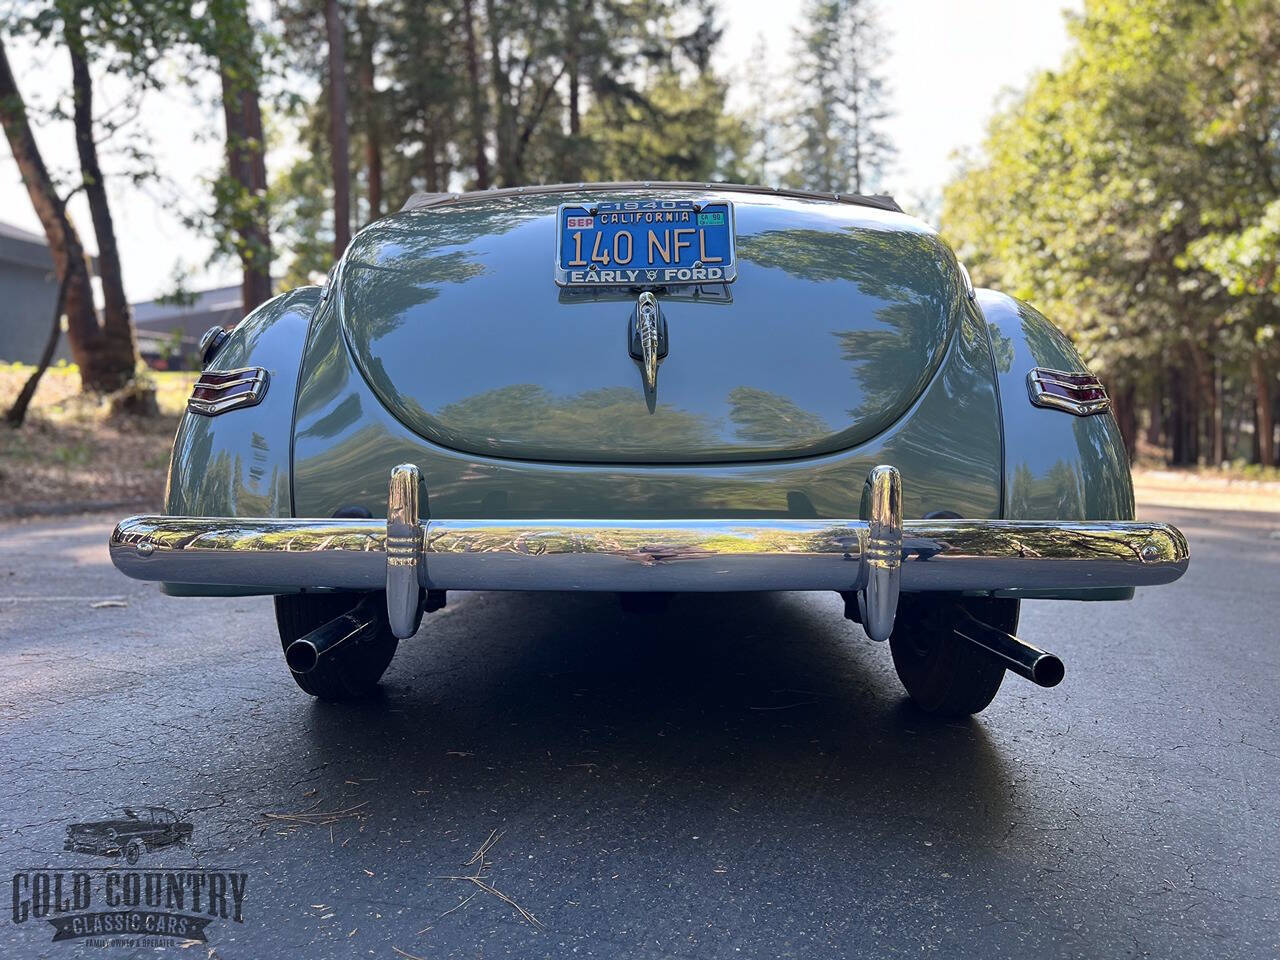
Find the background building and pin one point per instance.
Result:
(168, 334)
(28, 293)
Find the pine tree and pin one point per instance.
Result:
(839, 142)
(763, 118)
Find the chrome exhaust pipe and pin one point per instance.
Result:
(1038, 666)
(362, 622)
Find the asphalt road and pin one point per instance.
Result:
(739, 778)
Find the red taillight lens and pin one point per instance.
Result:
(1078, 393)
(218, 391)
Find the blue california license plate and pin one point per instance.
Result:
(644, 243)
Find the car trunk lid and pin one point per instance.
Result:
(839, 316)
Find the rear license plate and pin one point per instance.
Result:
(640, 243)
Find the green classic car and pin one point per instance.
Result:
(647, 388)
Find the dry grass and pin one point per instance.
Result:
(70, 450)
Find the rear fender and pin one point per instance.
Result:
(238, 463)
(1057, 466)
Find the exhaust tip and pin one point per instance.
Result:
(1039, 666)
(1048, 671)
(301, 656)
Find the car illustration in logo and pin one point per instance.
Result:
(131, 836)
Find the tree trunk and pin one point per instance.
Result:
(372, 118)
(99, 370)
(1275, 418)
(430, 173)
(1185, 428)
(572, 169)
(573, 57)
(1155, 414)
(1262, 408)
(339, 149)
(117, 325)
(18, 412)
(529, 126)
(1177, 429)
(238, 71)
(1203, 367)
(502, 96)
(476, 96)
(857, 145)
(1219, 444)
(1125, 409)
(1191, 424)
(575, 92)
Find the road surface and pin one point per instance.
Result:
(741, 777)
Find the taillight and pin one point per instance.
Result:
(1078, 393)
(223, 390)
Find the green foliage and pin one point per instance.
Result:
(1245, 260)
(680, 131)
(648, 104)
(235, 210)
(302, 216)
(1132, 194)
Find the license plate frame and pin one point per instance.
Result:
(684, 232)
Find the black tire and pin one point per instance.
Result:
(943, 674)
(348, 672)
(133, 851)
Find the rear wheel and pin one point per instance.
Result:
(944, 674)
(348, 671)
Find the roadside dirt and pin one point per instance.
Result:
(1206, 490)
(71, 452)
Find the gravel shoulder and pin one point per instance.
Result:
(70, 454)
(1204, 490)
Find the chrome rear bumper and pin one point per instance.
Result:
(875, 557)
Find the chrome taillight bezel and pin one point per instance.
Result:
(1081, 394)
(219, 391)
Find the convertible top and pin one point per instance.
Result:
(420, 200)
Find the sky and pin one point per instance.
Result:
(948, 64)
